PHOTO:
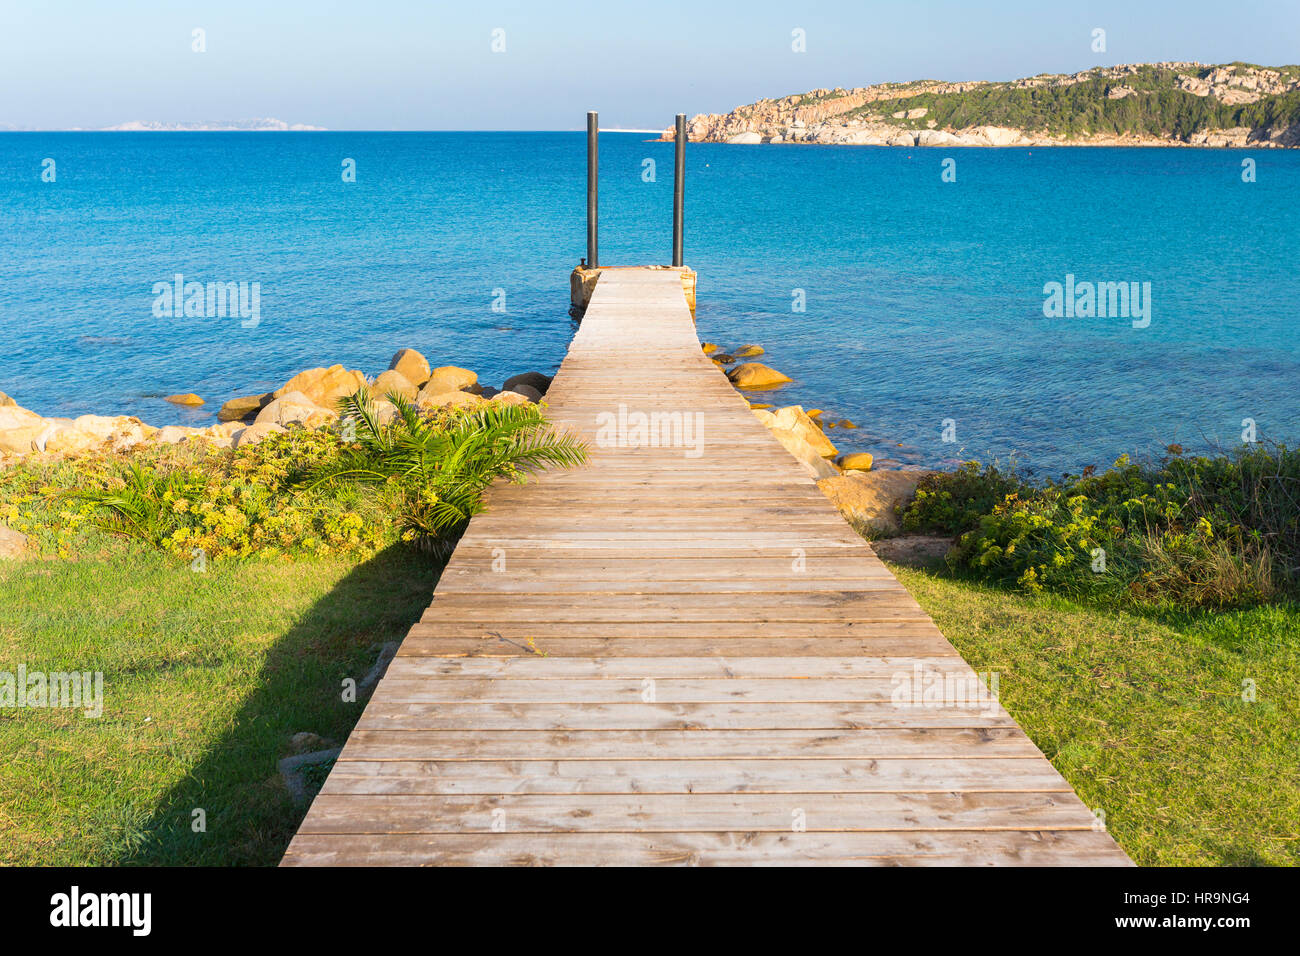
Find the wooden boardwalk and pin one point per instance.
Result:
(680, 655)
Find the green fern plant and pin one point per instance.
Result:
(443, 463)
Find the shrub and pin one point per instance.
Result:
(1206, 531)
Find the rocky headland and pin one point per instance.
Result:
(1141, 104)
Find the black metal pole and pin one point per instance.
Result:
(679, 188)
(593, 172)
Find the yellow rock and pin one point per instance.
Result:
(857, 461)
(413, 366)
(245, 406)
(792, 419)
(872, 498)
(760, 405)
(5, 400)
(709, 348)
(449, 378)
(394, 382)
(440, 399)
(323, 386)
(185, 398)
(752, 375)
(748, 351)
(845, 423)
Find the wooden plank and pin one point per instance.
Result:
(680, 654)
(724, 848)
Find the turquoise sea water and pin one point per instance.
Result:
(924, 299)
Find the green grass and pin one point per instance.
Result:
(1142, 712)
(206, 676)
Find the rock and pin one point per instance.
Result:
(845, 423)
(760, 405)
(752, 375)
(19, 429)
(6, 400)
(13, 543)
(913, 550)
(323, 386)
(67, 439)
(385, 411)
(748, 351)
(857, 461)
(184, 398)
(510, 398)
(431, 398)
(305, 741)
(723, 358)
(295, 407)
(530, 393)
(936, 137)
(792, 419)
(394, 382)
(708, 347)
(868, 499)
(808, 455)
(255, 433)
(172, 434)
(247, 406)
(534, 380)
(449, 378)
(902, 139)
(745, 139)
(413, 366)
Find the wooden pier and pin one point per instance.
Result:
(680, 655)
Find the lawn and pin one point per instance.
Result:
(206, 677)
(1143, 712)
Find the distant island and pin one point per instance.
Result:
(1140, 104)
(228, 126)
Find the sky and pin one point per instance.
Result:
(408, 65)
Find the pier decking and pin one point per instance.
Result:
(672, 657)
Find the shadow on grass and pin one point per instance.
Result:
(249, 815)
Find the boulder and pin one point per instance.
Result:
(449, 378)
(752, 375)
(528, 392)
(510, 398)
(394, 382)
(67, 439)
(6, 400)
(244, 407)
(412, 366)
(385, 411)
(255, 433)
(295, 407)
(184, 398)
(936, 137)
(857, 461)
(433, 398)
(792, 419)
(708, 347)
(748, 351)
(722, 358)
(534, 380)
(19, 428)
(172, 434)
(903, 139)
(869, 499)
(323, 386)
(13, 543)
(745, 139)
(809, 456)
